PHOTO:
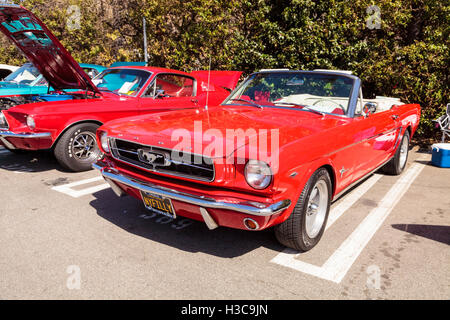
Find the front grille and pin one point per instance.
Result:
(163, 160)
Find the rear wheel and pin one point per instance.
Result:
(398, 163)
(77, 149)
(306, 224)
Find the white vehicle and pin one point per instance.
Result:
(5, 70)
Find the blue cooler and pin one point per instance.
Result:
(441, 155)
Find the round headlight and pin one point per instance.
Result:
(104, 141)
(30, 122)
(258, 174)
(3, 123)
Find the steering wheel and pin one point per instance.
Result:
(332, 101)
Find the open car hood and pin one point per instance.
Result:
(42, 48)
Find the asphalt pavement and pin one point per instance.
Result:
(66, 235)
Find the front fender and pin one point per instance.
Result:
(293, 181)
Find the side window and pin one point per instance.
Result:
(173, 85)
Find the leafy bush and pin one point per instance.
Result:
(406, 57)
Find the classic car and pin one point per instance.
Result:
(275, 153)
(28, 81)
(6, 70)
(68, 125)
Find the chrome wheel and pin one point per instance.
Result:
(84, 146)
(404, 153)
(316, 210)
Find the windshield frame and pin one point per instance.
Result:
(141, 90)
(353, 97)
(19, 71)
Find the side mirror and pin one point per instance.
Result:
(159, 94)
(369, 108)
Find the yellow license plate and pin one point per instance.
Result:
(158, 204)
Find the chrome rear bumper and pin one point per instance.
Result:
(9, 134)
(247, 207)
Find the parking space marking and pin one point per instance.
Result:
(67, 188)
(340, 262)
(349, 200)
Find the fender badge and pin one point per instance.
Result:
(342, 171)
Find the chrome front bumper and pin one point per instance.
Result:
(9, 134)
(247, 207)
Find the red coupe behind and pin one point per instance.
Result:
(68, 125)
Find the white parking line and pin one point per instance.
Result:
(67, 188)
(349, 200)
(337, 266)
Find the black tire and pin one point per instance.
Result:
(67, 150)
(395, 165)
(292, 233)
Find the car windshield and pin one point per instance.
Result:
(25, 75)
(308, 91)
(122, 81)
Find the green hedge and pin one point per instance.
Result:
(406, 56)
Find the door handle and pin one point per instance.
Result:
(194, 101)
(395, 116)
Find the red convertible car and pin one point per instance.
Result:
(216, 165)
(68, 126)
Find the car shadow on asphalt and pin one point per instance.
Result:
(29, 161)
(129, 214)
(433, 232)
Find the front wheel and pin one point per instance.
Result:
(77, 149)
(306, 224)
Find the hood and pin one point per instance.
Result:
(224, 79)
(42, 49)
(169, 129)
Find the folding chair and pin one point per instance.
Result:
(444, 123)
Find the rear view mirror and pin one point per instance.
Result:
(160, 94)
(369, 108)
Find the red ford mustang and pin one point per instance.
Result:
(275, 153)
(68, 125)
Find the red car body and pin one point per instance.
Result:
(348, 144)
(89, 104)
(54, 118)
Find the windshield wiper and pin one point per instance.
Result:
(304, 107)
(107, 90)
(249, 102)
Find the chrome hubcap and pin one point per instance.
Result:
(84, 146)
(403, 153)
(316, 209)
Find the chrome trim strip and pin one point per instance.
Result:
(258, 209)
(33, 135)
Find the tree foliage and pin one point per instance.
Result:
(405, 56)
